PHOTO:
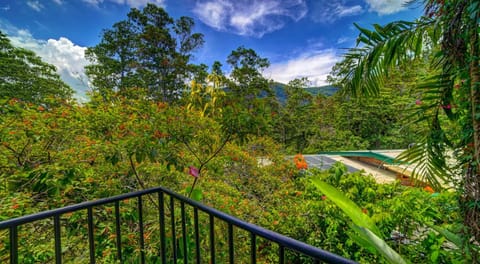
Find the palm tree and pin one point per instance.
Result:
(448, 36)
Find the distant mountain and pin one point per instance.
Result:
(326, 90)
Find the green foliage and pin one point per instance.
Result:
(24, 76)
(230, 134)
(447, 36)
(149, 49)
(249, 99)
(294, 121)
(363, 225)
(74, 153)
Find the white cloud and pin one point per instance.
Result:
(58, 2)
(249, 17)
(350, 11)
(35, 5)
(328, 11)
(385, 7)
(315, 65)
(132, 3)
(68, 58)
(346, 42)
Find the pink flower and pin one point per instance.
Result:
(418, 102)
(192, 170)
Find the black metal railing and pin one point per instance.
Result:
(179, 241)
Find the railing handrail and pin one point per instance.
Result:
(75, 207)
(280, 239)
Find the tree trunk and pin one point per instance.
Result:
(472, 180)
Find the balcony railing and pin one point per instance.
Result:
(182, 234)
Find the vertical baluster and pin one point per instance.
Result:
(231, 250)
(197, 234)
(212, 240)
(13, 245)
(140, 225)
(281, 254)
(184, 233)
(118, 233)
(253, 248)
(58, 242)
(163, 243)
(174, 242)
(91, 240)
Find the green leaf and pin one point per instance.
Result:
(140, 156)
(363, 224)
(361, 240)
(348, 206)
(455, 239)
(196, 195)
(383, 248)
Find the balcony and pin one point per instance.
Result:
(149, 226)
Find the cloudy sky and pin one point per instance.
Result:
(301, 38)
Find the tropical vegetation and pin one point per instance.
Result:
(154, 118)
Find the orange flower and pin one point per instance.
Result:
(300, 162)
(161, 105)
(302, 165)
(298, 158)
(13, 101)
(428, 189)
(158, 134)
(15, 206)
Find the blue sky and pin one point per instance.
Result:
(301, 38)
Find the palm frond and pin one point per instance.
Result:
(378, 50)
(428, 161)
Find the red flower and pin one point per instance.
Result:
(193, 171)
(418, 102)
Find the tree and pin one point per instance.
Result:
(295, 122)
(451, 93)
(248, 82)
(382, 119)
(23, 75)
(249, 96)
(150, 50)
